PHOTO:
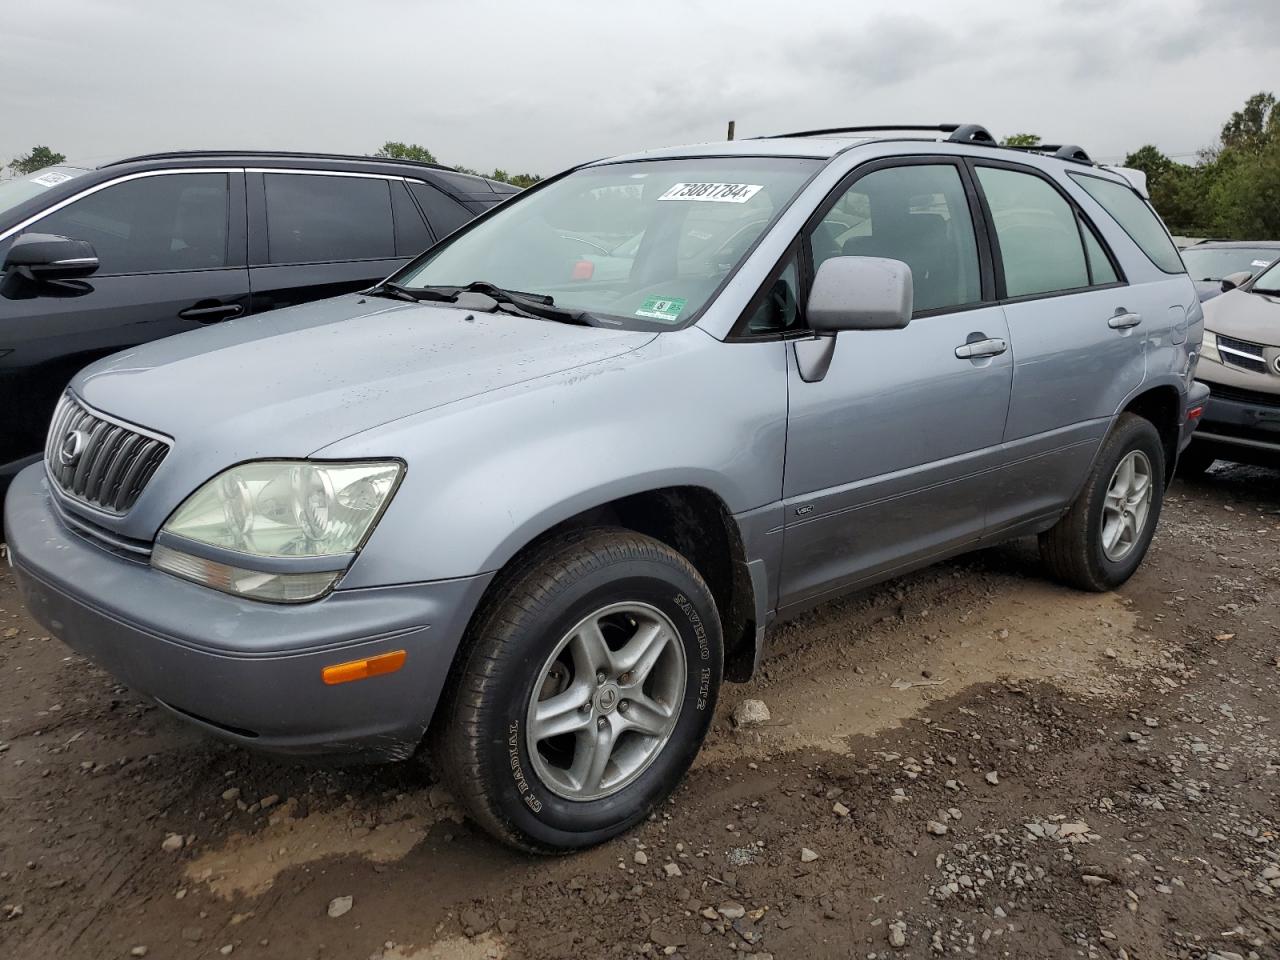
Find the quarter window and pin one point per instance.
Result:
(317, 218)
(1137, 218)
(151, 224)
(918, 214)
(779, 311)
(443, 213)
(1039, 238)
(1101, 272)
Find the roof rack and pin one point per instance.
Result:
(296, 154)
(1062, 151)
(958, 132)
(973, 133)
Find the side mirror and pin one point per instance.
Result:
(43, 256)
(860, 293)
(1233, 280)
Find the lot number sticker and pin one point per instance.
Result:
(665, 309)
(713, 192)
(50, 179)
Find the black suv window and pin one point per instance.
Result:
(1036, 227)
(313, 218)
(918, 214)
(152, 224)
(443, 212)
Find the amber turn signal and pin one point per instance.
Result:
(360, 669)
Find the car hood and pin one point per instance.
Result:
(1247, 316)
(290, 382)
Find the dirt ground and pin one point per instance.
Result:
(969, 761)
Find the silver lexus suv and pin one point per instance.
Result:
(532, 498)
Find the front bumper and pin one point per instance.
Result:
(1243, 425)
(244, 670)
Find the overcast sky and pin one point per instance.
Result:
(539, 86)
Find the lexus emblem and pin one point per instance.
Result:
(72, 446)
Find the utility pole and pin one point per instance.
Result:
(731, 129)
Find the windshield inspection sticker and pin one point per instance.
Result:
(713, 192)
(50, 179)
(1259, 263)
(662, 308)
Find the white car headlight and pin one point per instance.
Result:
(1209, 347)
(281, 530)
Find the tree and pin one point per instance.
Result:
(1152, 162)
(1021, 140)
(405, 151)
(1248, 128)
(37, 159)
(412, 151)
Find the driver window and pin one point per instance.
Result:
(918, 214)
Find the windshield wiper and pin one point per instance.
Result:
(411, 294)
(534, 305)
(1266, 290)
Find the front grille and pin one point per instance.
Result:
(1242, 354)
(1240, 395)
(98, 460)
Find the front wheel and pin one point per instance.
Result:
(1103, 537)
(584, 692)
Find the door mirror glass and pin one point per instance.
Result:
(860, 293)
(44, 256)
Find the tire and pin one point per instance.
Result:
(532, 644)
(1078, 550)
(1196, 461)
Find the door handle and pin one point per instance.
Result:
(209, 314)
(1124, 320)
(977, 349)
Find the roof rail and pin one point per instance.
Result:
(873, 128)
(295, 154)
(1062, 151)
(971, 133)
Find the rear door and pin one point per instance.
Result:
(888, 454)
(1076, 329)
(316, 234)
(171, 245)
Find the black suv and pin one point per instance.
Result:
(164, 243)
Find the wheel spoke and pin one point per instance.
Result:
(646, 715)
(642, 651)
(589, 651)
(591, 758)
(562, 713)
(1111, 533)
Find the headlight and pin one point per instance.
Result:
(1209, 347)
(276, 530)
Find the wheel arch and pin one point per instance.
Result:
(688, 517)
(1161, 404)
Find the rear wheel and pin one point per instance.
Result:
(584, 693)
(1103, 537)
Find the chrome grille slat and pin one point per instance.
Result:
(1242, 353)
(113, 461)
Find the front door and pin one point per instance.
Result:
(886, 454)
(171, 248)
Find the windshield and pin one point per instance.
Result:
(1269, 282)
(14, 192)
(640, 245)
(1218, 262)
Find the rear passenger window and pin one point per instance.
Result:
(1137, 218)
(317, 218)
(918, 214)
(443, 212)
(1036, 228)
